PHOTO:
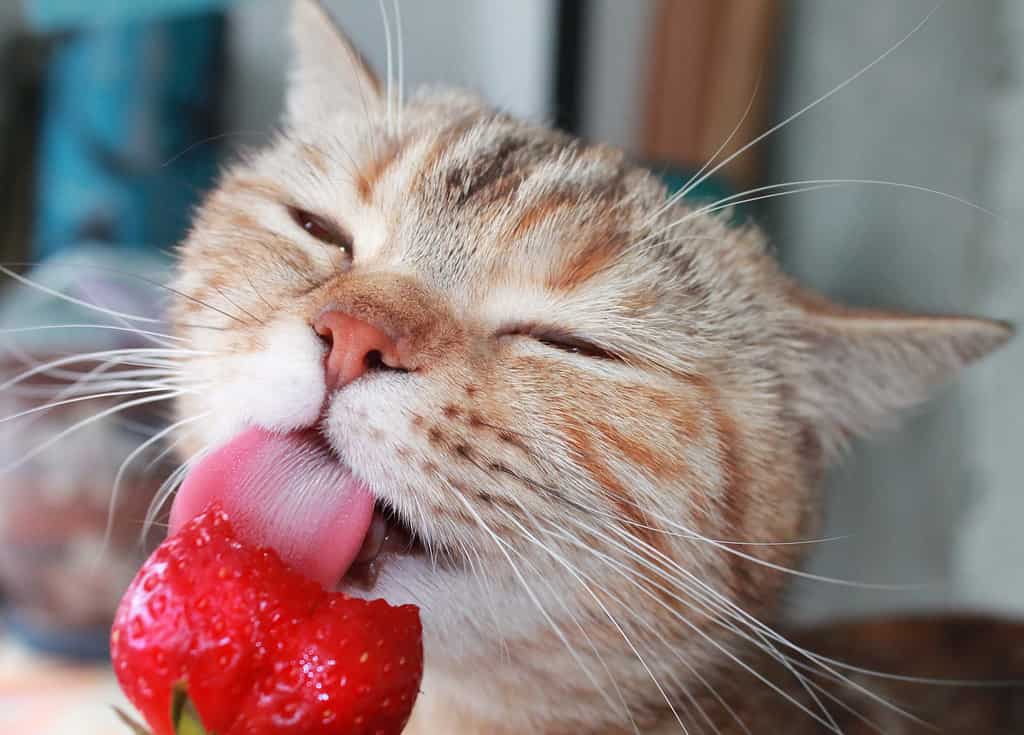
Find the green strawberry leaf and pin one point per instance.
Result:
(183, 714)
(132, 725)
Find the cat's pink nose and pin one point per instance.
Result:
(354, 348)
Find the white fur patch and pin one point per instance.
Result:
(281, 387)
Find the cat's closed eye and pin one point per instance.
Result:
(321, 229)
(559, 339)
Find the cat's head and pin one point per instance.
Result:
(577, 399)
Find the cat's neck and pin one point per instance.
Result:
(726, 698)
(454, 711)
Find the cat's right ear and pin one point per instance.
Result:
(856, 369)
(328, 75)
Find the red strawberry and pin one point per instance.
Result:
(258, 648)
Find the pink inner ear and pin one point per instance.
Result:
(285, 491)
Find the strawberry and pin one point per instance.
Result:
(214, 636)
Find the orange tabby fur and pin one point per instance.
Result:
(577, 504)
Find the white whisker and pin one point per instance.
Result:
(108, 327)
(133, 353)
(579, 577)
(78, 302)
(85, 422)
(801, 186)
(79, 399)
(718, 601)
(802, 111)
(558, 597)
(389, 86)
(744, 617)
(728, 203)
(729, 548)
(473, 559)
(116, 488)
(689, 666)
(502, 548)
(852, 710)
(628, 575)
(400, 91)
(89, 386)
(167, 488)
(697, 176)
(171, 446)
(712, 608)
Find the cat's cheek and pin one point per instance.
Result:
(279, 387)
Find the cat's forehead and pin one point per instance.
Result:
(462, 191)
(505, 220)
(516, 199)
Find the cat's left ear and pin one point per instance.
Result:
(328, 75)
(856, 369)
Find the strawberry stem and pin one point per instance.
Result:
(184, 717)
(132, 725)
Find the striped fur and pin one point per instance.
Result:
(576, 504)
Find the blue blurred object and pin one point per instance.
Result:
(708, 193)
(54, 15)
(125, 107)
(77, 645)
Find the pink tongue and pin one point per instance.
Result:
(285, 491)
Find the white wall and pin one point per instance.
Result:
(937, 503)
(989, 565)
(504, 50)
(614, 70)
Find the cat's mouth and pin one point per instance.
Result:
(291, 492)
(389, 536)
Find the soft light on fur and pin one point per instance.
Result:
(576, 503)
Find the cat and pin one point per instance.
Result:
(591, 420)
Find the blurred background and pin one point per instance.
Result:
(115, 116)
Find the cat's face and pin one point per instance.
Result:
(562, 385)
(576, 404)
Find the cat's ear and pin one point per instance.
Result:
(860, 367)
(328, 75)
